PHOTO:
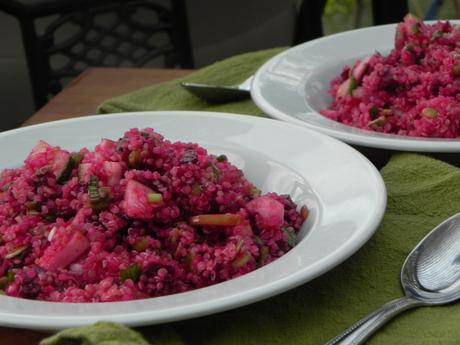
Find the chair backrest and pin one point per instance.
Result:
(62, 38)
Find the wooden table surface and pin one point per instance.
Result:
(81, 97)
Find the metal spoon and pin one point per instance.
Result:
(220, 93)
(430, 276)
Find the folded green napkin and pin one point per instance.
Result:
(421, 193)
(109, 333)
(171, 96)
(101, 333)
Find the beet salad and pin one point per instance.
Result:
(135, 218)
(413, 91)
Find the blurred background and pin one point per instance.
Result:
(216, 30)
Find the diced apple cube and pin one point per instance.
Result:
(269, 212)
(136, 202)
(66, 246)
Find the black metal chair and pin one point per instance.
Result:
(80, 33)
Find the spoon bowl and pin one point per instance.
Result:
(430, 276)
(431, 272)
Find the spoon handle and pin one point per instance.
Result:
(246, 85)
(361, 330)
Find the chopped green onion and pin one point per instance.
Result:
(215, 171)
(414, 29)
(74, 160)
(373, 112)
(255, 192)
(6, 187)
(50, 217)
(292, 237)
(227, 219)
(6, 279)
(241, 260)
(99, 197)
(93, 188)
(155, 198)
(221, 158)
(196, 189)
(264, 251)
(430, 112)
(353, 85)
(410, 46)
(257, 240)
(135, 159)
(132, 272)
(141, 244)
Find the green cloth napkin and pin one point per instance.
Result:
(421, 193)
(171, 96)
(109, 333)
(101, 333)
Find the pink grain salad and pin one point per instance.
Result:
(135, 218)
(414, 91)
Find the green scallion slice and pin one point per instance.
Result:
(132, 272)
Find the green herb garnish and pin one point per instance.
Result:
(141, 244)
(155, 198)
(373, 112)
(135, 159)
(74, 160)
(50, 217)
(6, 279)
(99, 197)
(292, 237)
(132, 272)
(221, 158)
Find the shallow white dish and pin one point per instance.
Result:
(343, 190)
(293, 86)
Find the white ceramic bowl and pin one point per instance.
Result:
(343, 190)
(293, 86)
